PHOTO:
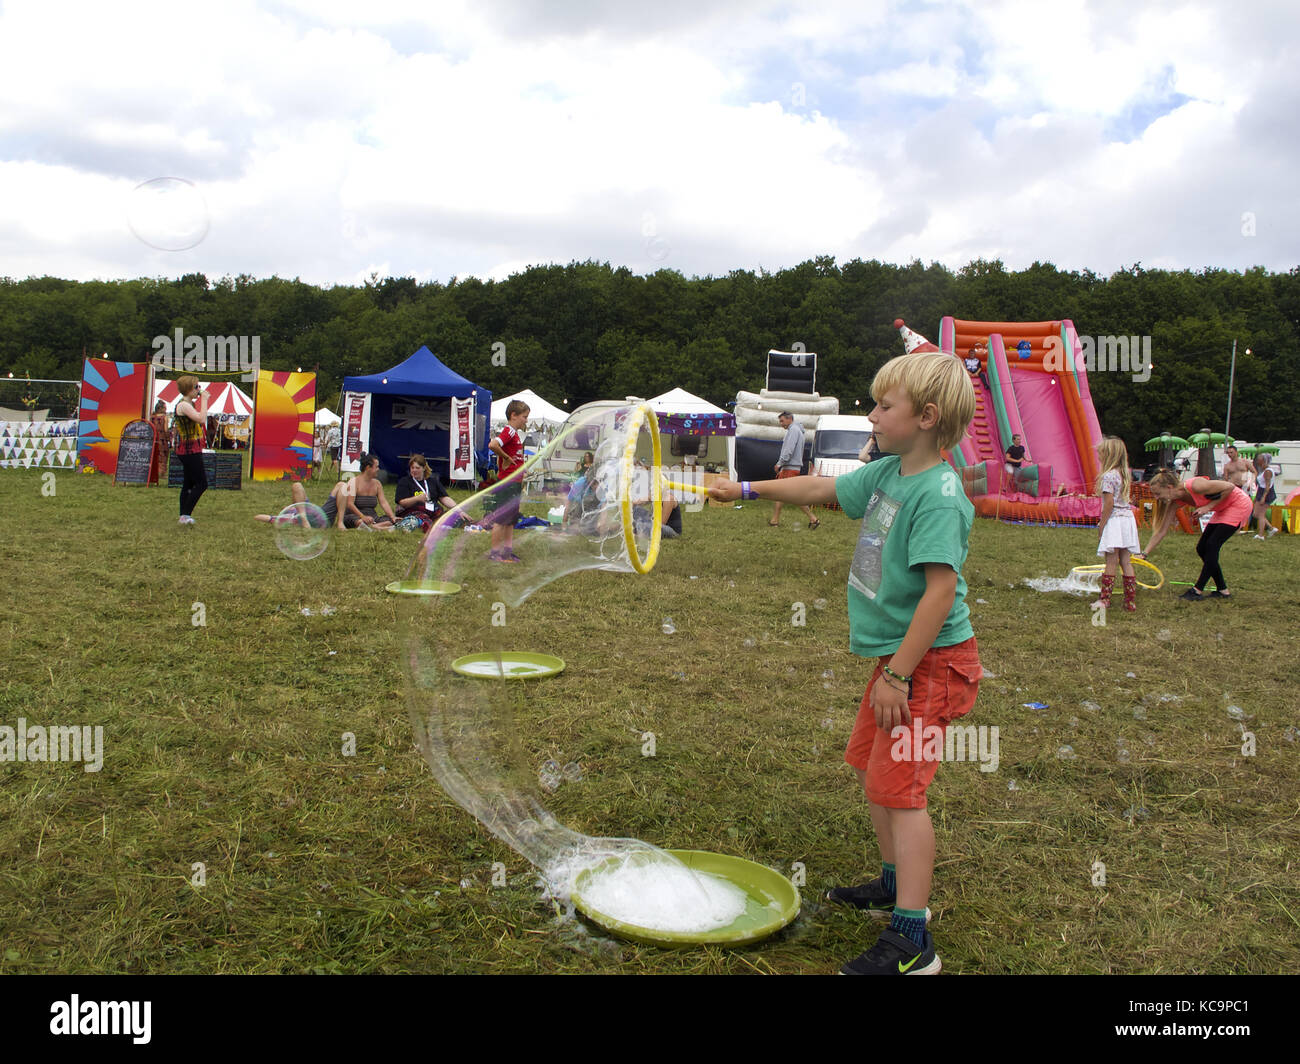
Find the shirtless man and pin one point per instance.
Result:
(1236, 470)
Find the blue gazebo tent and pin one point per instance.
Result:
(409, 411)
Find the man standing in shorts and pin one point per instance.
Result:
(790, 463)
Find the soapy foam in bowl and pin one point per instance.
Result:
(664, 896)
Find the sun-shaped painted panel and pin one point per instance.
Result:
(112, 394)
(284, 416)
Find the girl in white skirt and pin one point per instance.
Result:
(1117, 529)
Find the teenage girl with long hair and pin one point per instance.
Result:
(1117, 528)
(1227, 505)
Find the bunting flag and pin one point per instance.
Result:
(112, 394)
(284, 415)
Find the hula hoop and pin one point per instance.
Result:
(1082, 569)
(640, 415)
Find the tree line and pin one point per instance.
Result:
(590, 330)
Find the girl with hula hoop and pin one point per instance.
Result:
(1228, 506)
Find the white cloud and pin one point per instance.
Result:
(471, 139)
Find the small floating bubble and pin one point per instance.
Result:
(1164, 635)
(572, 772)
(1012, 785)
(1066, 753)
(819, 604)
(668, 628)
(1139, 713)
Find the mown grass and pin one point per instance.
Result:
(224, 746)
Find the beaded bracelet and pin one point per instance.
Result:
(890, 672)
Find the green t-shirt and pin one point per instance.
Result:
(907, 522)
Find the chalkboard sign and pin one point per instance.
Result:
(135, 454)
(225, 470)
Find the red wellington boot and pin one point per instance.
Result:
(1107, 582)
(1131, 593)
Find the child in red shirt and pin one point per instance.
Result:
(508, 446)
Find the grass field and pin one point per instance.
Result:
(224, 747)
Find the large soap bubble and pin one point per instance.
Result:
(168, 213)
(301, 531)
(604, 513)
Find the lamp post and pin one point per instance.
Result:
(1232, 376)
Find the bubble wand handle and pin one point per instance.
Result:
(677, 485)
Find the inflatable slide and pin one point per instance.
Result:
(1031, 382)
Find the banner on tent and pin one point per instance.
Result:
(461, 457)
(697, 424)
(356, 435)
(427, 417)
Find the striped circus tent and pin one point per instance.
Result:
(224, 397)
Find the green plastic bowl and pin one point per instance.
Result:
(418, 587)
(508, 665)
(773, 902)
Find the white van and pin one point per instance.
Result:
(837, 442)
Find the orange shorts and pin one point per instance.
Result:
(786, 474)
(944, 686)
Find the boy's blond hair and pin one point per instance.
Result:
(932, 377)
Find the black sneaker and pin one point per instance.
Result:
(869, 897)
(1191, 595)
(895, 954)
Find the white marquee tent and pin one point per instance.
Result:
(541, 414)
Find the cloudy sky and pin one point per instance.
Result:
(330, 139)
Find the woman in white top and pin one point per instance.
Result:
(1265, 494)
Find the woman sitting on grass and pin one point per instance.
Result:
(367, 494)
(1227, 504)
(421, 496)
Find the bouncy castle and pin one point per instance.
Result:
(1030, 381)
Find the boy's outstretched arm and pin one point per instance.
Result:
(887, 699)
(801, 491)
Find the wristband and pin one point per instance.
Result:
(906, 689)
(890, 672)
(746, 492)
